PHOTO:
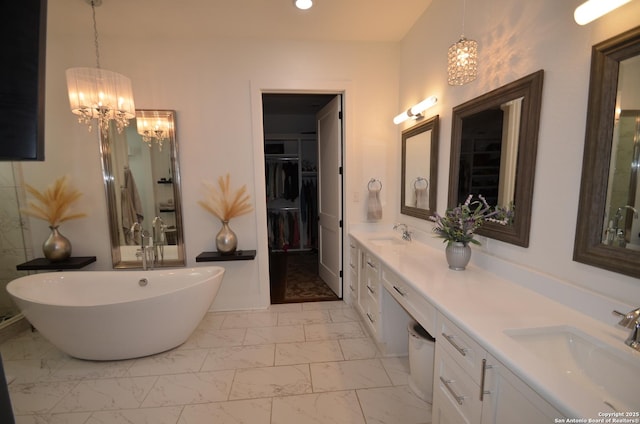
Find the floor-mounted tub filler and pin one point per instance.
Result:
(110, 315)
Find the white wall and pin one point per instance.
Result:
(516, 38)
(209, 84)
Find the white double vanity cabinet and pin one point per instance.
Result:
(482, 373)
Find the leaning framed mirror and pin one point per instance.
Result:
(142, 185)
(608, 227)
(418, 185)
(494, 140)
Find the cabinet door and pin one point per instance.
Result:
(508, 399)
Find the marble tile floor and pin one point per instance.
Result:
(292, 364)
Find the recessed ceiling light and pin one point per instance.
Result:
(304, 4)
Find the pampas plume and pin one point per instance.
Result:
(224, 205)
(53, 203)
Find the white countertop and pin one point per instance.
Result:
(485, 305)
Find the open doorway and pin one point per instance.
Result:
(293, 179)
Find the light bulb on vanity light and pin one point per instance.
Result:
(415, 111)
(593, 9)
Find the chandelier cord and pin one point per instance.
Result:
(95, 33)
(464, 12)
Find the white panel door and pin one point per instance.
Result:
(330, 194)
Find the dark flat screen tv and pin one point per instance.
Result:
(23, 29)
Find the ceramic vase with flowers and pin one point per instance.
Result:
(458, 226)
(53, 205)
(224, 205)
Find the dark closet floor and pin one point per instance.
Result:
(294, 278)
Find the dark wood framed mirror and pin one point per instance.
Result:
(419, 178)
(494, 140)
(607, 231)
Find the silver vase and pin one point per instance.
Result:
(56, 247)
(458, 255)
(226, 239)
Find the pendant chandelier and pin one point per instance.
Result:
(462, 64)
(96, 93)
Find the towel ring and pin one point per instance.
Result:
(418, 180)
(374, 181)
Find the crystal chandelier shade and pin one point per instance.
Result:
(153, 127)
(462, 62)
(96, 93)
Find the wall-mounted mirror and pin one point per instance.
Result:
(418, 186)
(494, 140)
(608, 227)
(142, 184)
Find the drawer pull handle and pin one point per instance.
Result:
(457, 397)
(403, 294)
(352, 266)
(371, 290)
(370, 319)
(371, 265)
(462, 350)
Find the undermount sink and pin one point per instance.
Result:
(610, 373)
(387, 241)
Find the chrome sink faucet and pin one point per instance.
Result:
(406, 234)
(631, 320)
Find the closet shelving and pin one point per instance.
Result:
(291, 187)
(480, 172)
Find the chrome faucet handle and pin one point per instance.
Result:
(628, 320)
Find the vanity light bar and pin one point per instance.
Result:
(593, 9)
(415, 111)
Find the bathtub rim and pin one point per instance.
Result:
(12, 286)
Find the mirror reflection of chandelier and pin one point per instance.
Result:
(153, 126)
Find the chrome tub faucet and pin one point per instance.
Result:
(145, 252)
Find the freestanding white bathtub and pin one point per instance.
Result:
(109, 315)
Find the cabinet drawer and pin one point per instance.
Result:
(353, 286)
(353, 255)
(417, 306)
(464, 350)
(454, 390)
(372, 317)
(372, 279)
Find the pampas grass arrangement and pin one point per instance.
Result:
(222, 203)
(53, 204)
